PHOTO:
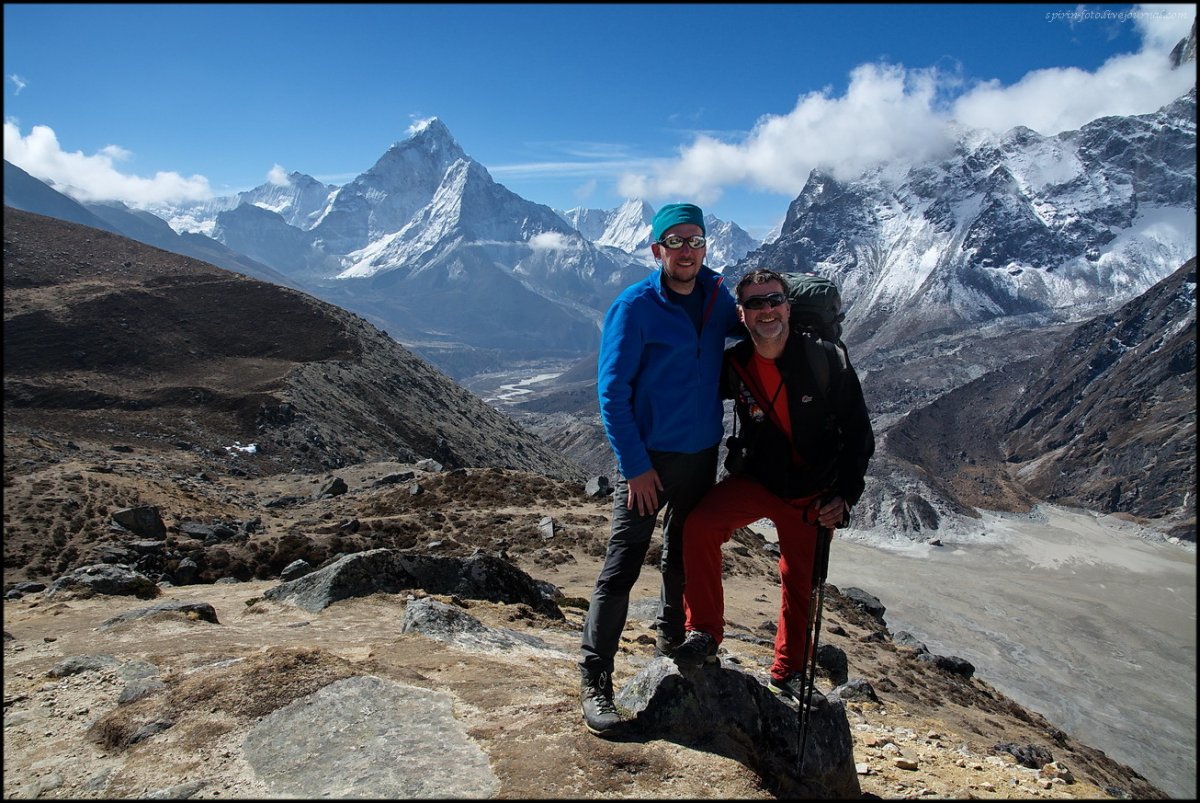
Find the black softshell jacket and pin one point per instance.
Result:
(832, 436)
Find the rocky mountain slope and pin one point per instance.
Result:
(1053, 228)
(1102, 419)
(198, 359)
(1099, 416)
(1113, 426)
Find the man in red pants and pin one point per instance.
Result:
(800, 461)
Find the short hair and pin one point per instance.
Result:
(761, 276)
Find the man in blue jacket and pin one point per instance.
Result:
(659, 370)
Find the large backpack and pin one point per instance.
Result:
(816, 305)
(817, 313)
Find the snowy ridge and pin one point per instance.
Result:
(1007, 225)
(628, 228)
(299, 199)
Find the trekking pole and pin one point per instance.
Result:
(816, 603)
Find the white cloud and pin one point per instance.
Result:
(890, 112)
(94, 178)
(567, 169)
(585, 191)
(1162, 24)
(419, 125)
(887, 112)
(114, 153)
(549, 241)
(1055, 100)
(18, 83)
(278, 176)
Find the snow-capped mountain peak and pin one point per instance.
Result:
(628, 227)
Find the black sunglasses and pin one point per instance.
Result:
(675, 242)
(771, 300)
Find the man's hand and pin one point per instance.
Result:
(643, 491)
(833, 512)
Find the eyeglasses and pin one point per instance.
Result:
(674, 242)
(771, 300)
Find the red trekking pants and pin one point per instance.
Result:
(735, 502)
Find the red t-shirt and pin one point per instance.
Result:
(770, 386)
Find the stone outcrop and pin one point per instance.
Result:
(732, 712)
(103, 578)
(477, 577)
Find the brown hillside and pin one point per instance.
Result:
(195, 358)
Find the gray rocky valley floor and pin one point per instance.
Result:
(1089, 620)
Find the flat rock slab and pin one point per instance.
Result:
(366, 737)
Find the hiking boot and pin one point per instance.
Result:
(792, 687)
(665, 646)
(596, 698)
(697, 649)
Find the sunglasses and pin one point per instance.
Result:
(771, 300)
(675, 242)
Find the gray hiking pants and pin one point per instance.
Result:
(685, 478)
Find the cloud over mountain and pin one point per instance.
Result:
(95, 177)
(892, 111)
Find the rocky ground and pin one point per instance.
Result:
(139, 379)
(932, 733)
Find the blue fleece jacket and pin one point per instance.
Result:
(657, 377)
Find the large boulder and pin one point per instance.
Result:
(480, 576)
(730, 711)
(104, 578)
(143, 520)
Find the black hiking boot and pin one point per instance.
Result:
(698, 649)
(792, 687)
(596, 698)
(665, 646)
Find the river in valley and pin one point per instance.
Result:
(1069, 614)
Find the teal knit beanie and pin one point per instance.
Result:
(672, 215)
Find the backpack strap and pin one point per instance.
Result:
(757, 392)
(826, 359)
(740, 374)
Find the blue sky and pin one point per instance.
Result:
(727, 105)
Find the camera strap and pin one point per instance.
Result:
(756, 392)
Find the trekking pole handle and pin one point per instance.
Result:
(821, 556)
(824, 539)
